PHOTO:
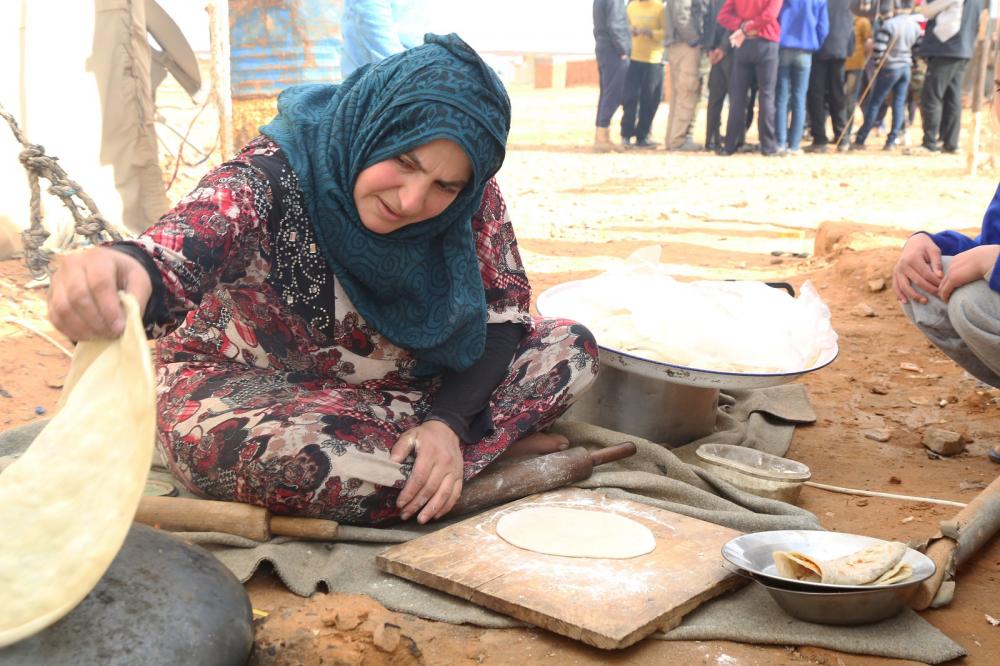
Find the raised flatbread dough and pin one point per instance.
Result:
(67, 504)
(576, 533)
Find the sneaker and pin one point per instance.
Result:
(858, 146)
(889, 146)
(816, 148)
(645, 143)
(950, 151)
(626, 142)
(843, 146)
(793, 152)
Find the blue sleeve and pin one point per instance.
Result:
(952, 242)
(370, 31)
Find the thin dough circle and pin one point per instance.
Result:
(67, 504)
(576, 533)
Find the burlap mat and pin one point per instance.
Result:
(763, 419)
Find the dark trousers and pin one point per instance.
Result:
(941, 102)
(718, 88)
(826, 90)
(611, 68)
(757, 57)
(643, 92)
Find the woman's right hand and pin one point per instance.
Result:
(83, 294)
(919, 264)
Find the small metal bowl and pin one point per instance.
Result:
(840, 608)
(753, 555)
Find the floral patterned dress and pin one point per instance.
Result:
(267, 374)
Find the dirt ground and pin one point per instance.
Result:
(745, 217)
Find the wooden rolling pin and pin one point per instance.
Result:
(535, 475)
(180, 514)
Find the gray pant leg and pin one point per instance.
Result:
(966, 329)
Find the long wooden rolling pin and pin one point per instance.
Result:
(535, 475)
(181, 514)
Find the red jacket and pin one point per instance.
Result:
(756, 16)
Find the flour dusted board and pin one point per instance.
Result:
(606, 603)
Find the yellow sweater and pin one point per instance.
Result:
(862, 33)
(646, 14)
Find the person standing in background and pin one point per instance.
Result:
(826, 79)
(804, 26)
(755, 35)
(948, 42)
(644, 79)
(684, 25)
(373, 30)
(716, 41)
(612, 45)
(854, 70)
(897, 36)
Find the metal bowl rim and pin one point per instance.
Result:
(910, 553)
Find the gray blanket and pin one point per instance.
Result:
(763, 419)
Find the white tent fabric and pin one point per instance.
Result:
(77, 78)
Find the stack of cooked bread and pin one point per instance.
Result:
(880, 564)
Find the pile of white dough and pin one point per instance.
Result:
(744, 327)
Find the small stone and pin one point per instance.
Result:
(54, 383)
(777, 260)
(864, 310)
(343, 620)
(910, 367)
(878, 434)
(861, 502)
(919, 400)
(944, 442)
(386, 636)
(39, 410)
(876, 285)
(972, 485)
(908, 519)
(895, 480)
(880, 389)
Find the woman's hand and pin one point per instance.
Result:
(967, 267)
(83, 294)
(919, 264)
(436, 480)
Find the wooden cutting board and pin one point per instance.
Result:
(603, 602)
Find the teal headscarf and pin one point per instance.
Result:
(419, 286)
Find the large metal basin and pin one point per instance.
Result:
(661, 402)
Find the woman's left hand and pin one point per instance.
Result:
(436, 480)
(967, 267)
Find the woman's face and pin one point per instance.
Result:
(411, 187)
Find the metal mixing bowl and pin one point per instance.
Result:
(753, 555)
(842, 608)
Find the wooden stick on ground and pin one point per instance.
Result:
(959, 539)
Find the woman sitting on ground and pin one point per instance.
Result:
(349, 282)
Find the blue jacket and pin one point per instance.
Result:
(804, 24)
(952, 242)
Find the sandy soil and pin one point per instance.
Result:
(578, 213)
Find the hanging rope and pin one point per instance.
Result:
(88, 220)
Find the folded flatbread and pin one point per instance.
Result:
(880, 564)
